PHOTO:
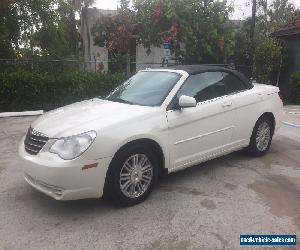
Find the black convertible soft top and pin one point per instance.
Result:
(197, 69)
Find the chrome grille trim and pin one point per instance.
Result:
(33, 145)
(31, 150)
(38, 140)
(34, 141)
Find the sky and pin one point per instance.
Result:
(242, 9)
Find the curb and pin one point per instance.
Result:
(291, 124)
(25, 113)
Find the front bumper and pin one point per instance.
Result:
(61, 179)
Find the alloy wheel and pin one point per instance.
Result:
(136, 176)
(263, 136)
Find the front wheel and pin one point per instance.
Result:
(261, 138)
(131, 176)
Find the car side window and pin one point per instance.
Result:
(204, 86)
(233, 83)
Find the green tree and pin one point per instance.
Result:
(281, 13)
(39, 27)
(9, 29)
(124, 6)
(54, 38)
(267, 59)
(199, 30)
(268, 53)
(32, 17)
(242, 44)
(202, 26)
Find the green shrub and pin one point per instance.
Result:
(26, 90)
(267, 60)
(295, 88)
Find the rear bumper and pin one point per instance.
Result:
(64, 180)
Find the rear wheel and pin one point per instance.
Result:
(131, 175)
(261, 137)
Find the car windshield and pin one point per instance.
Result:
(146, 88)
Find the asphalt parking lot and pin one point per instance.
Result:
(204, 207)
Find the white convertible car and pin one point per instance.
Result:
(159, 121)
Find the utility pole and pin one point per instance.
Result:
(252, 34)
(253, 20)
(74, 38)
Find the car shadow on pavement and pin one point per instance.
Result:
(89, 206)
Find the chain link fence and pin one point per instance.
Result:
(48, 65)
(98, 66)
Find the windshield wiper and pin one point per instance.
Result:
(117, 99)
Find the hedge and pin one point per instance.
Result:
(22, 90)
(295, 88)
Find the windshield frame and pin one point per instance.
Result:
(182, 75)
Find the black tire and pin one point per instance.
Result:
(253, 148)
(112, 189)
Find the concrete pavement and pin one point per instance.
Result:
(204, 207)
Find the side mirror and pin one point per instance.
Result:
(187, 101)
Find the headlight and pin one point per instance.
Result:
(71, 147)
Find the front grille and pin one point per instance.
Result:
(34, 141)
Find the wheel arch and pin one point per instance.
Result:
(271, 116)
(267, 114)
(155, 147)
(251, 149)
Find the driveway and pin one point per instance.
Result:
(204, 207)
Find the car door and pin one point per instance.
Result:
(200, 132)
(244, 100)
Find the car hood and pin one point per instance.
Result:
(88, 115)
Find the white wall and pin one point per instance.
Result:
(93, 53)
(153, 60)
(96, 57)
